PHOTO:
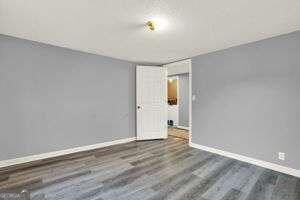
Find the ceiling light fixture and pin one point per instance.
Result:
(150, 25)
(156, 24)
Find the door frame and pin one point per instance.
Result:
(190, 100)
(177, 69)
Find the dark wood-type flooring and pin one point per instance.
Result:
(149, 170)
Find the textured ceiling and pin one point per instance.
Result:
(116, 28)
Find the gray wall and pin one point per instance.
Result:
(53, 98)
(248, 99)
(183, 99)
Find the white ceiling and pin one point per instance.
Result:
(116, 28)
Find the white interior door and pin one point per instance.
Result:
(151, 93)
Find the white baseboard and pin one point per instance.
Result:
(16, 161)
(253, 161)
(183, 127)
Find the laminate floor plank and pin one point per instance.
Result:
(147, 170)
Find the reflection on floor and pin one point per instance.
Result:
(180, 133)
(149, 170)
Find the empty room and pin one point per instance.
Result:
(149, 100)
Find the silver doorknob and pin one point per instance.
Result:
(139, 107)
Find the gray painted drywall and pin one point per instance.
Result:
(248, 99)
(54, 98)
(183, 80)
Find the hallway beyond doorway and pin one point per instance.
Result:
(178, 132)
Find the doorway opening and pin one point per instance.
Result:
(179, 108)
(163, 97)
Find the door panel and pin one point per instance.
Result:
(151, 94)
